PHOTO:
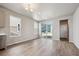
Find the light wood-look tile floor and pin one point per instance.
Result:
(42, 47)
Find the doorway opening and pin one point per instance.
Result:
(64, 30)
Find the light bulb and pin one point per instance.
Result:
(26, 8)
(31, 10)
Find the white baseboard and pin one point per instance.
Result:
(17, 42)
(71, 41)
(76, 44)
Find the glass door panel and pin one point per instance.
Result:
(46, 30)
(49, 30)
(43, 30)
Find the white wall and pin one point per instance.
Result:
(56, 27)
(14, 20)
(76, 28)
(27, 30)
(36, 29)
(55, 30)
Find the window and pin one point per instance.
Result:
(35, 27)
(15, 26)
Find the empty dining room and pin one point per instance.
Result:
(39, 29)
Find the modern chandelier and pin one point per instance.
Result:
(29, 7)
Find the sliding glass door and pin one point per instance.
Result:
(43, 30)
(46, 30)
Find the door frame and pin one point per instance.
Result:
(67, 28)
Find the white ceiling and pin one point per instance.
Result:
(43, 11)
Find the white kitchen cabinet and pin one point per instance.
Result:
(2, 41)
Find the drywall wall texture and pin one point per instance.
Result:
(76, 27)
(27, 27)
(56, 27)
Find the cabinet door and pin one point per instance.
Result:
(2, 18)
(2, 41)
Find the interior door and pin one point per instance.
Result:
(64, 30)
